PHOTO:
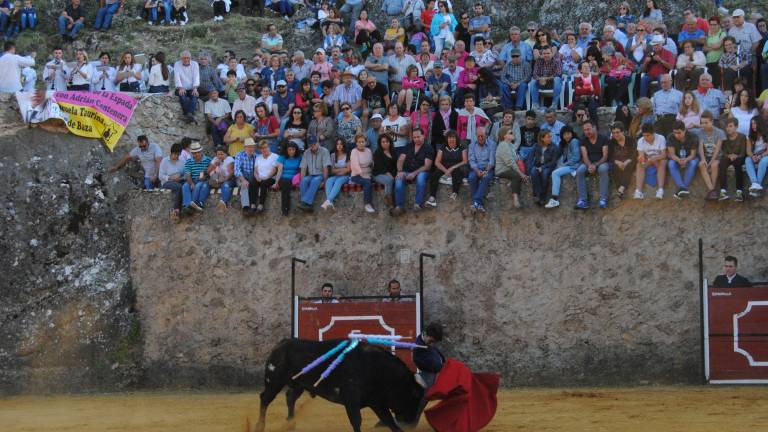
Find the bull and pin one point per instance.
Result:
(369, 377)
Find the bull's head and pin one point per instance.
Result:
(408, 405)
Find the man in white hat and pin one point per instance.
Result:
(348, 92)
(746, 34)
(657, 62)
(374, 130)
(245, 162)
(195, 189)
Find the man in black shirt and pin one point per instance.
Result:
(375, 98)
(594, 160)
(682, 147)
(529, 135)
(731, 279)
(71, 20)
(413, 165)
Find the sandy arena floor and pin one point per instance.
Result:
(656, 409)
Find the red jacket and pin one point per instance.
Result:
(579, 89)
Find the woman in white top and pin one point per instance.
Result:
(638, 44)
(128, 74)
(571, 55)
(103, 76)
(690, 112)
(690, 65)
(159, 75)
(651, 151)
(397, 127)
(78, 78)
(221, 173)
(264, 173)
(266, 99)
(744, 110)
(339, 174)
(756, 154)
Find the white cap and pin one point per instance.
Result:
(738, 13)
(281, 83)
(377, 116)
(319, 50)
(657, 40)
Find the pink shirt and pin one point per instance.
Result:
(360, 162)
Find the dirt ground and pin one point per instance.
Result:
(657, 409)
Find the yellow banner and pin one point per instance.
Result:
(90, 123)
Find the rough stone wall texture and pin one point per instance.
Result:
(544, 298)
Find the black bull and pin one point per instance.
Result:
(369, 376)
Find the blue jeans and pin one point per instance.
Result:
(387, 181)
(149, 184)
(308, 188)
(367, 187)
(581, 180)
(188, 102)
(153, 14)
(63, 27)
(104, 16)
(199, 194)
(645, 81)
(556, 174)
(526, 153)
(226, 190)
(690, 172)
(478, 186)
(333, 186)
(175, 188)
(540, 178)
(761, 169)
(28, 20)
(402, 184)
(557, 86)
(4, 18)
(506, 96)
(167, 8)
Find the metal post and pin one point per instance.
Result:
(421, 283)
(294, 260)
(701, 309)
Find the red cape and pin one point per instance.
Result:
(467, 400)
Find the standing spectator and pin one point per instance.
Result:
(105, 13)
(734, 63)
(245, 164)
(479, 25)
(171, 177)
(656, 63)
(714, 48)
(103, 77)
(443, 25)
(710, 99)
(594, 160)
(651, 152)
(413, 165)
(339, 175)
(546, 72)
(482, 157)
(571, 151)
(55, 72)
(690, 65)
(315, 163)
(149, 156)
(11, 66)
(666, 105)
(756, 148)
(186, 74)
(682, 149)
(71, 21)
(288, 167)
(710, 140)
(515, 77)
(622, 152)
(451, 161)
(385, 166)
(216, 113)
(734, 151)
(361, 165)
(195, 189)
(540, 166)
(221, 175)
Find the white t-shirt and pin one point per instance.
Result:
(223, 169)
(657, 147)
(265, 165)
(395, 125)
(156, 76)
(220, 108)
(744, 118)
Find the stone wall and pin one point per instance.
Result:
(543, 297)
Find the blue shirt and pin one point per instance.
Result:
(290, 166)
(482, 157)
(554, 130)
(667, 101)
(685, 35)
(583, 43)
(713, 101)
(244, 164)
(283, 102)
(526, 52)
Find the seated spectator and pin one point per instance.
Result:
(361, 165)
(610, 38)
(195, 188)
(756, 148)
(734, 63)
(489, 94)
(529, 133)
(451, 162)
(150, 11)
(682, 150)
(221, 175)
(348, 126)
(186, 74)
(399, 63)
(470, 119)
(479, 24)
(282, 7)
(103, 76)
(265, 170)
(334, 38)
(508, 121)
(55, 72)
(79, 77)
(425, 63)
(413, 165)
(244, 172)
(398, 127)
(305, 97)
(339, 175)
(709, 98)
(690, 112)
(546, 72)
(666, 105)
(149, 156)
(622, 152)
(238, 132)
(656, 63)
(363, 24)
(586, 89)
(233, 66)
(638, 45)
(273, 73)
(326, 294)
(731, 279)
(618, 78)
(322, 127)
(624, 17)
(594, 160)
(509, 166)
(296, 128)
(179, 13)
(552, 124)
(105, 13)
(209, 76)
(515, 77)
(272, 41)
(690, 65)
(482, 158)
(374, 98)
(375, 129)
(744, 110)
(159, 75)
(484, 57)
(733, 153)
(350, 93)
(266, 127)
(651, 153)
(467, 81)
(171, 176)
(423, 119)
(282, 101)
(394, 33)
(71, 21)
(571, 152)
(245, 103)
(315, 164)
(230, 87)
(288, 167)
(540, 165)
(445, 119)
(385, 166)
(710, 141)
(691, 32)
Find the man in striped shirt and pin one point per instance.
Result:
(195, 190)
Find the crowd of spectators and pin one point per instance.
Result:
(431, 100)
